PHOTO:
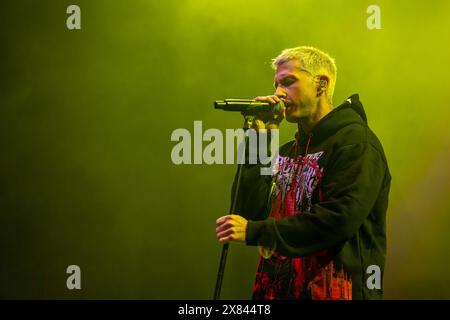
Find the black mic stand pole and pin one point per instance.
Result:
(223, 258)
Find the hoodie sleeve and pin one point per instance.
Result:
(254, 190)
(350, 188)
(253, 193)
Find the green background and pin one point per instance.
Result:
(86, 116)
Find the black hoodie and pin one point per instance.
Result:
(321, 218)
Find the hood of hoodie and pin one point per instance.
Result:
(349, 112)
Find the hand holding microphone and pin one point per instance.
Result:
(262, 121)
(268, 111)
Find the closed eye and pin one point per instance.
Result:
(286, 82)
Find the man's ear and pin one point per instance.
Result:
(322, 84)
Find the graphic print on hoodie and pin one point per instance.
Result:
(320, 221)
(280, 277)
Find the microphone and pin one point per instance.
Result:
(247, 106)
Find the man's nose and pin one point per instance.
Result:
(279, 92)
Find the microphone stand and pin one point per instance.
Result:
(223, 258)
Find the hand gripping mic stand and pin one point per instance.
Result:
(248, 119)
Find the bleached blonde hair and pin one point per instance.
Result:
(313, 61)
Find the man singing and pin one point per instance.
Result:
(320, 220)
